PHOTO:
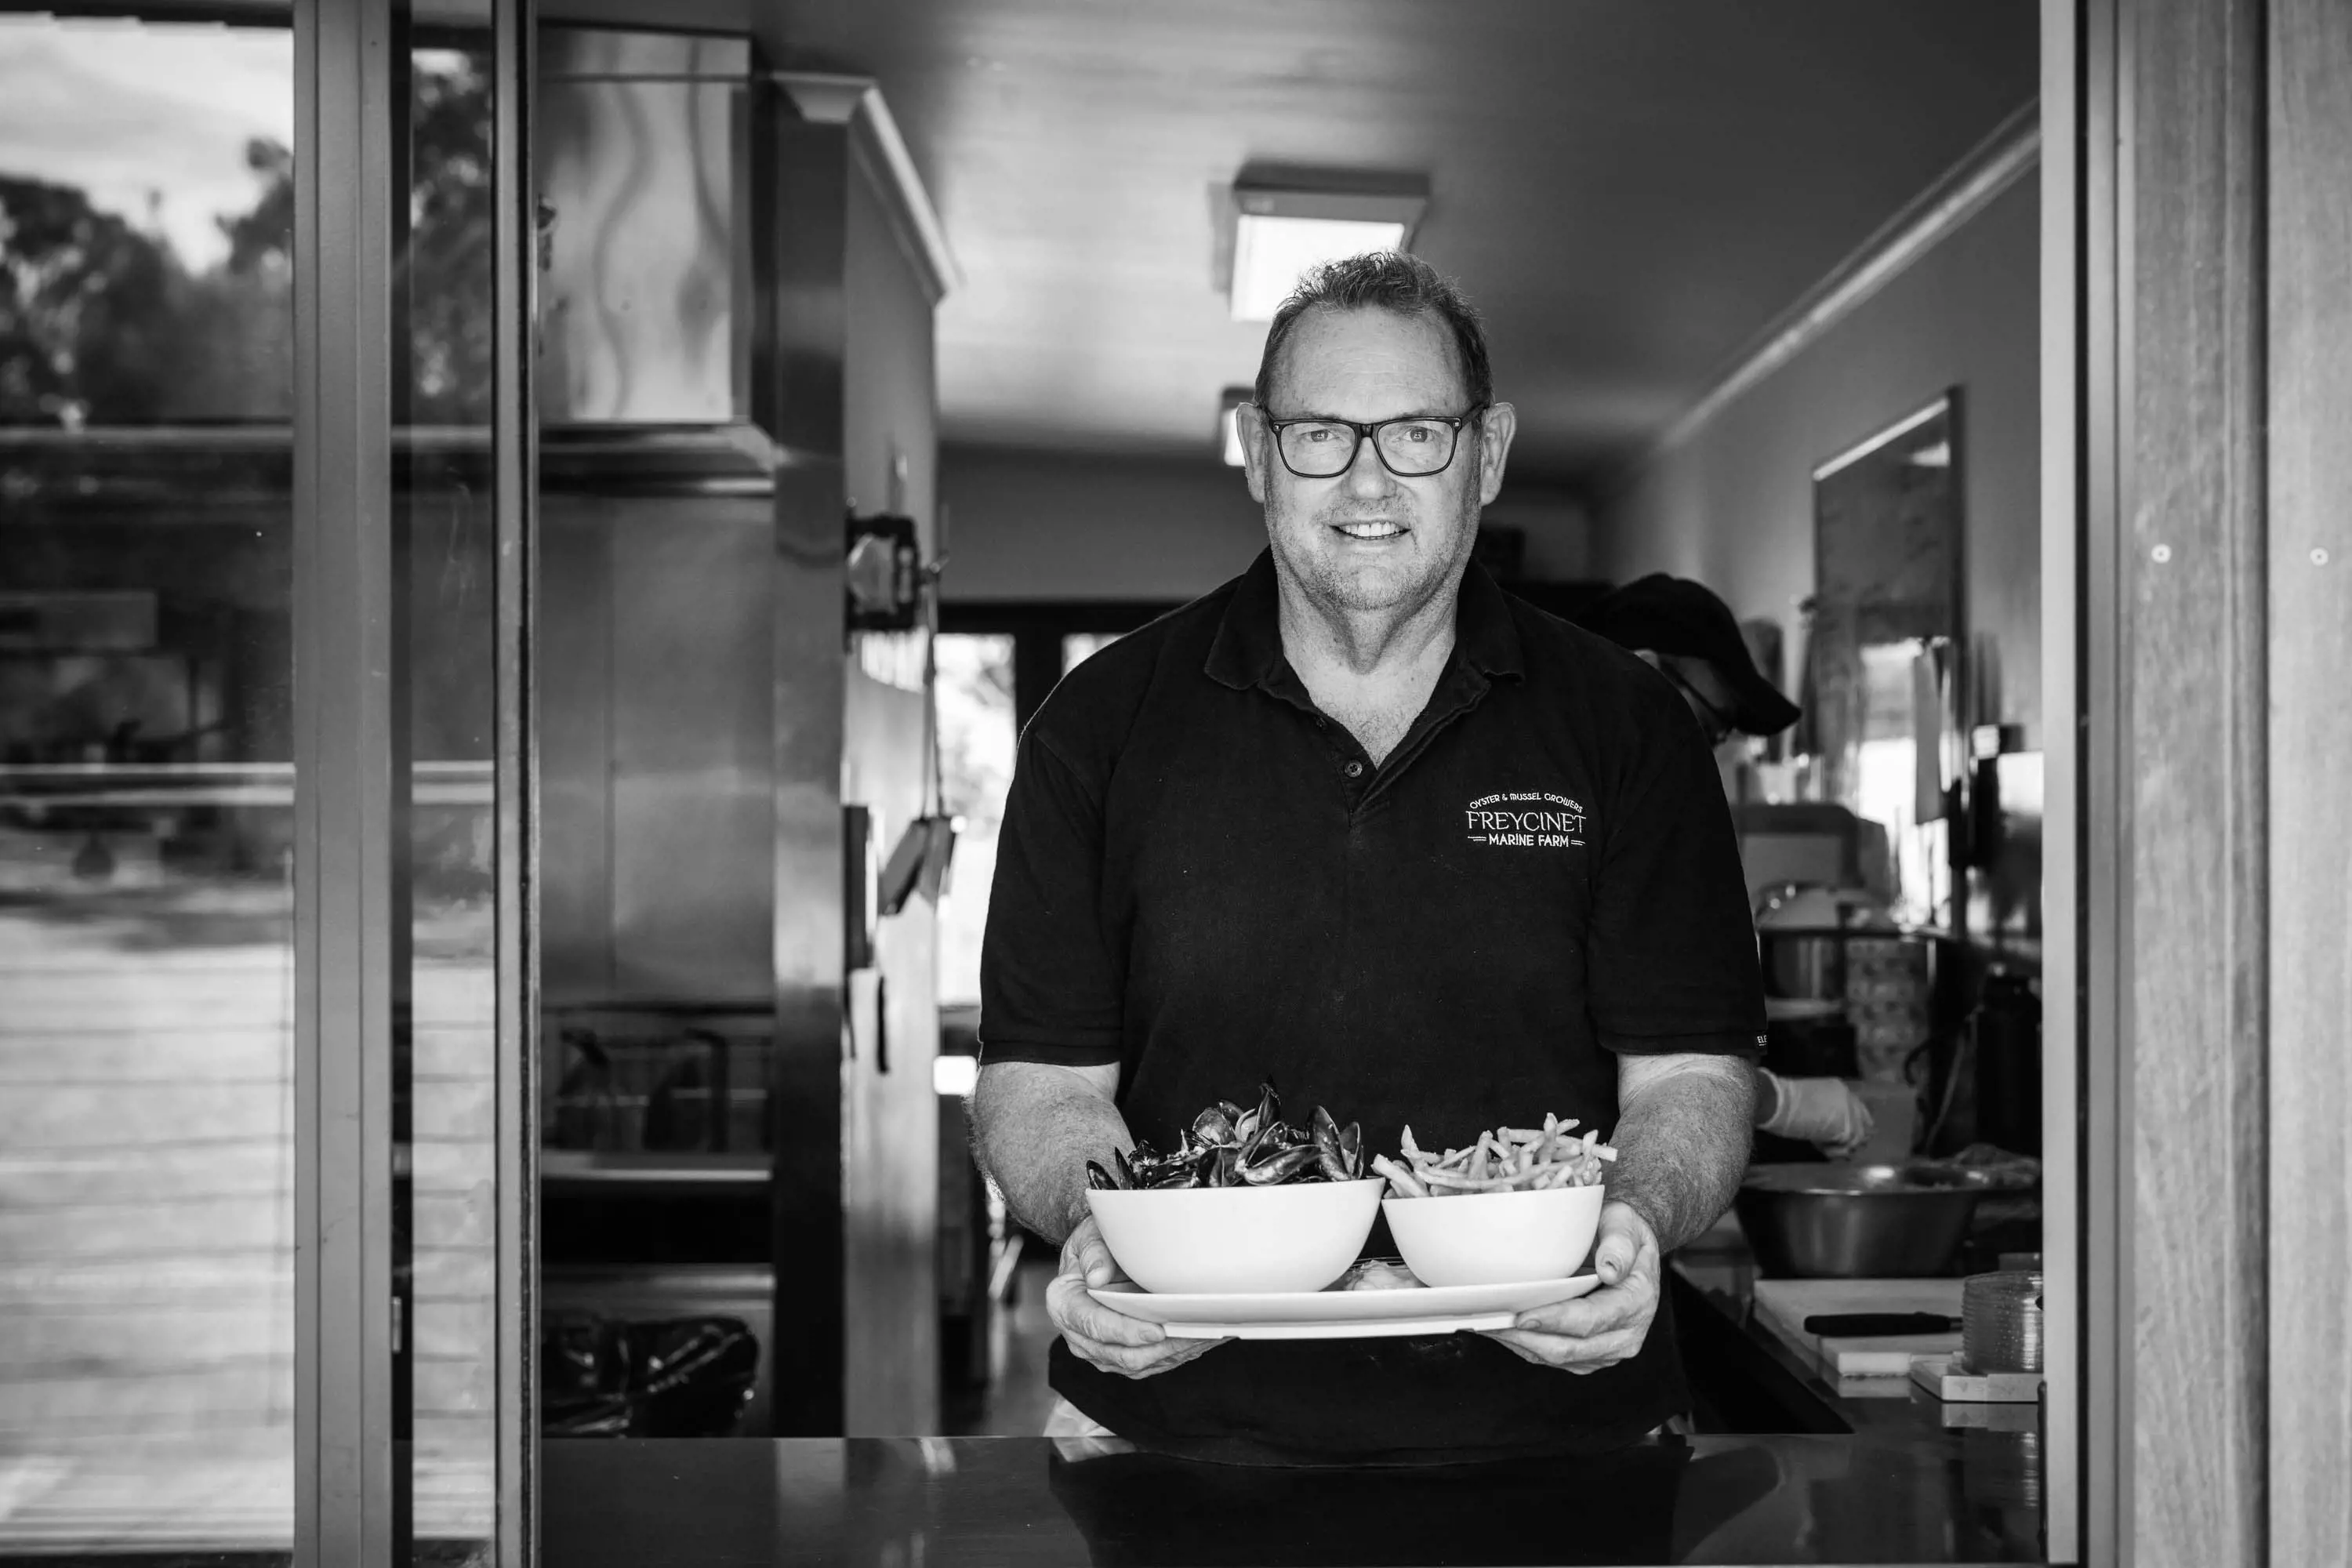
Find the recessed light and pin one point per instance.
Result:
(1269, 254)
(1287, 220)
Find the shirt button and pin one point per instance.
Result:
(1322, 723)
(1354, 769)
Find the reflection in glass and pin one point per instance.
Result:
(1901, 699)
(146, 789)
(977, 737)
(1884, 689)
(444, 1069)
(1079, 647)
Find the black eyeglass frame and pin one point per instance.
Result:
(1371, 432)
(1722, 726)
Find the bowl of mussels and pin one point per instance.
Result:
(1246, 1203)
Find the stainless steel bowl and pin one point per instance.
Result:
(1857, 1222)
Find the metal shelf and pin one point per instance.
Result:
(559, 1167)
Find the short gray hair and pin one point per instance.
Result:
(1390, 280)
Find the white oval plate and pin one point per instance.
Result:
(1342, 1314)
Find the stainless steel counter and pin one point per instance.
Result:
(1716, 1276)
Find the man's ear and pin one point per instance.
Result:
(1249, 421)
(1495, 428)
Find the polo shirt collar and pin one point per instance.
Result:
(1247, 648)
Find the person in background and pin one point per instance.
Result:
(1688, 634)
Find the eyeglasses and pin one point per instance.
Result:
(1720, 726)
(1413, 448)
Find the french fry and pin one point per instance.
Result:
(1402, 1180)
(1471, 1184)
(1504, 1159)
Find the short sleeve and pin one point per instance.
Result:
(1673, 965)
(1048, 989)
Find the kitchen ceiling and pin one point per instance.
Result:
(1630, 189)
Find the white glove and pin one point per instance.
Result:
(1822, 1112)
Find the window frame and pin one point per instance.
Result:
(350, 1503)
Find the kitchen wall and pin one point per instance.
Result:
(1732, 504)
(657, 740)
(1051, 525)
(889, 379)
(889, 1125)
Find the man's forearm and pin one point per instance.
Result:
(1681, 1143)
(1034, 1130)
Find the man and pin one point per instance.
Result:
(1259, 839)
(1683, 632)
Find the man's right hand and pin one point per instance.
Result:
(1132, 1347)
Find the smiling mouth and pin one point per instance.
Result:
(1369, 529)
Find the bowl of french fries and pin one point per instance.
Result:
(1520, 1202)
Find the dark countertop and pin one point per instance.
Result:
(1867, 1479)
(915, 1503)
(946, 1503)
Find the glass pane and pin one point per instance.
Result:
(1079, 647)
(444, 1124)
(146, 789)
(977, 736)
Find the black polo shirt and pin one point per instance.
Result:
(1203, 878)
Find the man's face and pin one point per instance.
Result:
(1368, 539)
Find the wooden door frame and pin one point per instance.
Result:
(2169, 783)
(2198, 315)
(2308, 298)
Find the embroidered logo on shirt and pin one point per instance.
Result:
(1527, 819)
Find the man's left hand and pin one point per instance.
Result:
(1609, 1324)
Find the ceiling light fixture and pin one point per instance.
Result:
(1287, 220)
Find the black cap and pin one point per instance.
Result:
(1676, 615)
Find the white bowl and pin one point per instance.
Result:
(1238, 1240)
(1495, 1238)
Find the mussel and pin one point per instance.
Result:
(1215, 1127)
(1289, 1164)
(1227, 1146)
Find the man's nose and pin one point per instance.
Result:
(1366, 477)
